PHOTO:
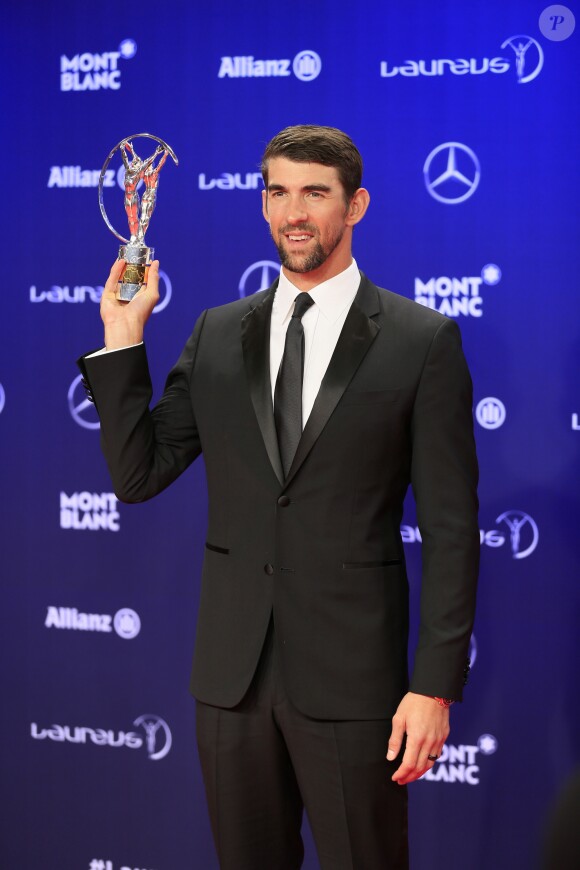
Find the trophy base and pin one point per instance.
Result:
(137, 258)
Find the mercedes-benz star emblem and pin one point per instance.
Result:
(82, 410)
(451, 173)
(267, 272)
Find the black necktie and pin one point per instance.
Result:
(288, 393)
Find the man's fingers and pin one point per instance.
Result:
(114, 278)
(409, 764)
(416, 761)
(396, 739)
(153, 280)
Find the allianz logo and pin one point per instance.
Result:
(125, 622)
(75, 176)
(306, 67)
(231, 181)
(247, 66)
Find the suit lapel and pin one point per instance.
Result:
(256, 351)
(357, 335)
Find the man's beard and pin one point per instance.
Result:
(296, 262)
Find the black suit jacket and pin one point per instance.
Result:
(322, 549)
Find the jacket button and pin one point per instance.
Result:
(269, 569)
(283, 501)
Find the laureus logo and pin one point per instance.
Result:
(524, 533)
(157, 735)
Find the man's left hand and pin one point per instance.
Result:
(426, 724)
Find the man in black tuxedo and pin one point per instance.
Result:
(315, 404)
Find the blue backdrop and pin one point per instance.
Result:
(468, 120)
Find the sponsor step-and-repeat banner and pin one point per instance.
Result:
(467, 117)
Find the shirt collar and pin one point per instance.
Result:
(331, 296)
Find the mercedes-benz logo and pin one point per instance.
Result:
(82, 410)
(451, 173)
(267, 272)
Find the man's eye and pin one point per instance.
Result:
(314, 194)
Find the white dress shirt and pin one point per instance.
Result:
(322, 323)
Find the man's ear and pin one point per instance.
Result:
(357, 207)
(265, 206)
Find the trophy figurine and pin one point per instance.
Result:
(136, 254)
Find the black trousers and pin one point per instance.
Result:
(263, 762)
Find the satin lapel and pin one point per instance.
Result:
(256, 351)
(358, 333)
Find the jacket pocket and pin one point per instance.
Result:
(223, 550)
(350, 566)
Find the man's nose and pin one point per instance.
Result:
(297, 213)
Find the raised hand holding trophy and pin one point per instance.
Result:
(136, 254)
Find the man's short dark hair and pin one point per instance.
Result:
(308, 143)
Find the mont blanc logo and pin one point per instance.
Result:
(92, 511)
(95, 72)
(451, 173)
(157, 739)
(461, 764)
(107, 864)
(75, 294)
(231, 181)
(306, 66)
(490, 413)
(157, 735)
(528, 62)
(125, 622)
(258, 276)
(521, 534)
(456, 297)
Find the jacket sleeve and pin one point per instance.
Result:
(145, 450)
(444, 478)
